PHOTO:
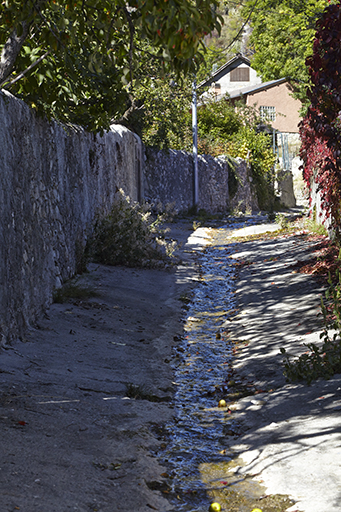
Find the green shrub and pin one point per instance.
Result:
(228, 130)
(130, 235)
(282, 220)
(256, 149)
(218, 119)
(71, 290)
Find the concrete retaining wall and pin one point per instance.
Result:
(51, 185)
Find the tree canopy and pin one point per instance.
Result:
(75, 59)
(282, 38)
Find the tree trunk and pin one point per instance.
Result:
(11, 51)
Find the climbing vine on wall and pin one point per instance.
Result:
(321, 128)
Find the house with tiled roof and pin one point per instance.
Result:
(235, 74)
(237, 81)
(273, 99)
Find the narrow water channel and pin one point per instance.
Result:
(198, 436)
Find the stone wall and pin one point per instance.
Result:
(243, 198)
(286, 188)
(54, 180)
(52, 183)
(169, 178)
(317, 213)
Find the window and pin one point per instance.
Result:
(267, 113)
(217, 86)
(240, 75)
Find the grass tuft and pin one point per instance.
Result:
(72, 290)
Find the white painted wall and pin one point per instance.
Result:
(226, 86)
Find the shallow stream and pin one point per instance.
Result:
(198, 451)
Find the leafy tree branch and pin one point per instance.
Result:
(282, 37)
(11, 50)
(92, 53)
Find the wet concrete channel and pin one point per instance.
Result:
(198, 451)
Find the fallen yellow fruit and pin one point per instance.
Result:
(256, 510)
(214, 507)
(222, 403)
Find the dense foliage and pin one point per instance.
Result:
(74, 59)
(218, 120)
(130, 235)
(282, 37)
(320, 129)
(161, 109)
(233, 131)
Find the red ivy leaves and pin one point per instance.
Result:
(324, 261)
(320, 130)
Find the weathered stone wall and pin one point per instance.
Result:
(164, 183)
(169, 178)
(52, 183)
(316, 211)
(286, 188)
(245, 198)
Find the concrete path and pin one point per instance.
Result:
(291, 433)
(74, 439)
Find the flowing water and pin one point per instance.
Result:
(199, 435)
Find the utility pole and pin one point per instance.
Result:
(195, 142)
